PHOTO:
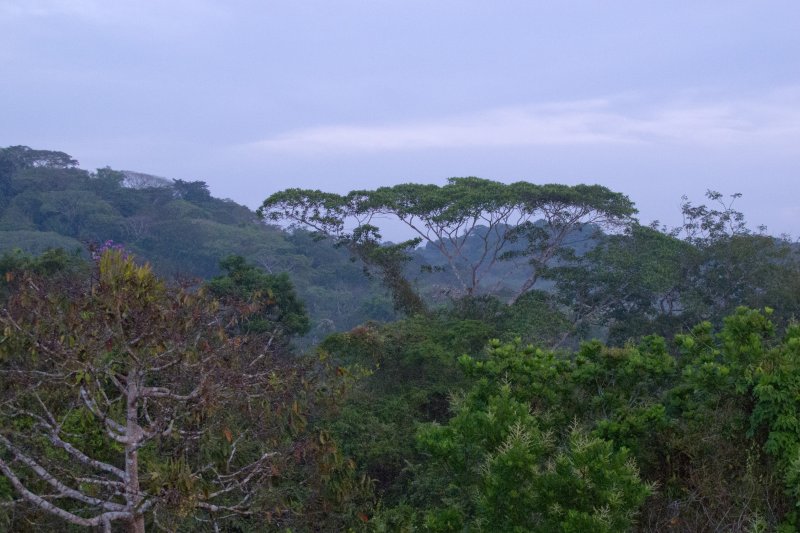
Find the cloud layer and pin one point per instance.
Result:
(161, 16)
(764, 119)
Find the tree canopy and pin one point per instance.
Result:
(559, 367)
(274, 307)
(526, 223)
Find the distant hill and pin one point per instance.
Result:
(47, 201)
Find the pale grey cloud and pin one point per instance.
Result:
(772, 119)
(47, 8)
(161, 16)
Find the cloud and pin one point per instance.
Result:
(772, 118)
(85, 9)
(135, 14)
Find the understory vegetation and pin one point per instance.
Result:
(531, 359)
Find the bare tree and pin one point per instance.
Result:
(137, 227)
(139, 180)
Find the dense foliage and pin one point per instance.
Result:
(533, 360)
(47, 202)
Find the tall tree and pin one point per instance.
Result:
(526, 223)
(193, 191)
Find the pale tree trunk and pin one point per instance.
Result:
(134, 435)
(530, 282)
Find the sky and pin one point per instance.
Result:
(655, 99)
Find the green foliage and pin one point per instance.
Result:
(534, 318)
(624, 282)
(47, 202)
(546, 440)
(729, 431)
(192, 191)
(518, 221)
(505, 460)
(415, 367)
(53, 263)
(650, 281)
(273, 305)
(389, 261)
(37, 242)
(22, 157)
(776, 391)
(448, 429)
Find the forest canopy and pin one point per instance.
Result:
(532, 358)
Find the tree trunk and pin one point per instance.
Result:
(134, 435)
(530, 282)
(137, 524)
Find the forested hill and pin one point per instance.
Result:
(47, 201)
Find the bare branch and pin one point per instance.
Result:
(114, 429)
(53, 482)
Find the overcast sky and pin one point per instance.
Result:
(653, 98)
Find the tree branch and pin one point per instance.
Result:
(55, 483)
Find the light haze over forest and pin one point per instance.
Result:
(655, 99)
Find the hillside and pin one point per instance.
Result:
(47, 201)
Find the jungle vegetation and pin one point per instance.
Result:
(532, 358)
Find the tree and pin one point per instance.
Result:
(473, 223)
(648, 280)
(515, 457)
(25, 157)
(116, 398)
(79, 213)
(274, 306)
(630, 283)
(140, 180)
(192, 191)
(16, 158)
(735, 435)
(54, 263)
(6, 173)
(732, 265)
